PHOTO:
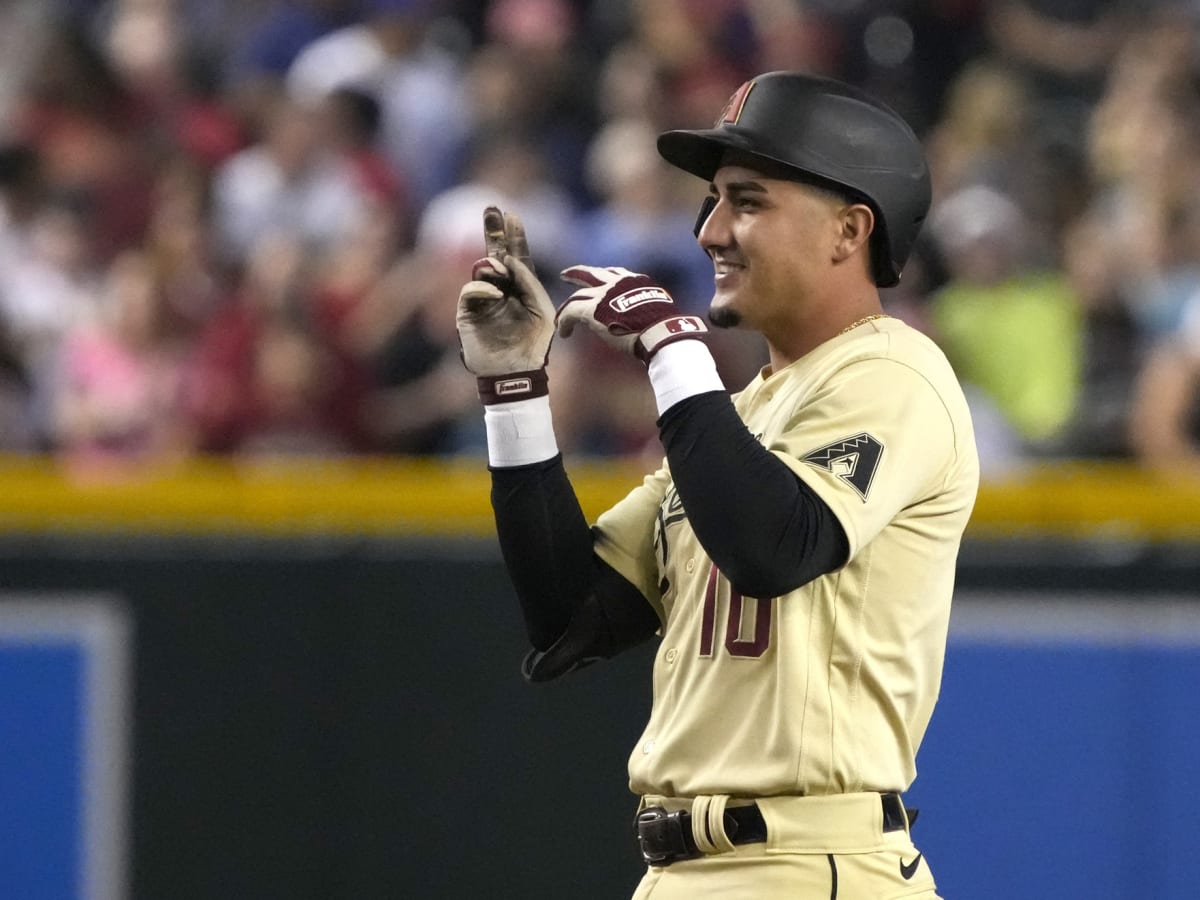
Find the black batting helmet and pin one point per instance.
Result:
(829, 133)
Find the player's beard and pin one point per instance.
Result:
(724, 317)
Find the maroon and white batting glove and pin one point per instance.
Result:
(628, 310)
(634, 314)
(505, 326)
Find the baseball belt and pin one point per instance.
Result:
(666, 837)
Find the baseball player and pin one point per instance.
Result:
(796, 551)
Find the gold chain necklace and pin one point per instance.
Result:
(863, 321)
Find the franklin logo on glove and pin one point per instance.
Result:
(506, 387)
(626, 302)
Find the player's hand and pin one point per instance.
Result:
(505, 317)
(628, 310)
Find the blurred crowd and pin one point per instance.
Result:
(240, 226)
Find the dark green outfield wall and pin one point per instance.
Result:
(344, 722)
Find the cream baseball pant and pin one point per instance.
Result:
(817, 848)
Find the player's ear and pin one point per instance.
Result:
(855, 222)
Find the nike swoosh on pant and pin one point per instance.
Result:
(909, 870)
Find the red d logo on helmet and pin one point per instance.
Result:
(733, 109)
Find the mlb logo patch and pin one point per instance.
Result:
(684, 324)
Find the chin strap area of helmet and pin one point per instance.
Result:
(706, 209)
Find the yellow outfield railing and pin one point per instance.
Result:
(418, 497)
(275, 497)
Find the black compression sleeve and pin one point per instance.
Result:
(611, 619)
(546, 544)
(576, 607)
(765, 530)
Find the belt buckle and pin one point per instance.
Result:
(663, 836)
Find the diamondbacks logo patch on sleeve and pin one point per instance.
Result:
(852, 459)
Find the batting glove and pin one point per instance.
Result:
(505, 317)
(628, 310)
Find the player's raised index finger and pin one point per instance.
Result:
(495, 239)
(518, 244)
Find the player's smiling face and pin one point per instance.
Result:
(771, 241)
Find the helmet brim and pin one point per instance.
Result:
(700, 152)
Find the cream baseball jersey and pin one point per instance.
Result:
(829, 688)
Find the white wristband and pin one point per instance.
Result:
(520, 432)
(681, 370)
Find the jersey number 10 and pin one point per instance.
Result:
(750, 648)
